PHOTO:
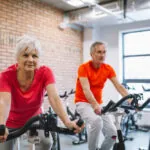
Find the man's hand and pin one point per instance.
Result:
(130, 101)
(98, 110)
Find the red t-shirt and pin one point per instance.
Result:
(96, 78)
(26, 104)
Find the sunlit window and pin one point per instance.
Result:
(136, 60)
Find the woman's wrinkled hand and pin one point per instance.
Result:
(4, 137)
(72, 125)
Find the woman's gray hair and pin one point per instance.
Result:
(95, 44)
(27, 42)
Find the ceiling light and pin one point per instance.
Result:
(89, 1)
(75, 3)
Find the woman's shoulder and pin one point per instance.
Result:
(9, 73)
(44, 68)
(9, 70)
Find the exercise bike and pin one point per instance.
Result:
(112, 107)
(47, 123)
(82, 136)
(129, 121)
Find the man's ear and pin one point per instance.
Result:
(91, 53)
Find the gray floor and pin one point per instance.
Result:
(141, 139)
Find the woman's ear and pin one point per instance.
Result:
(17, 58)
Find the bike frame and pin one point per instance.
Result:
(112, 107)
(48, 122)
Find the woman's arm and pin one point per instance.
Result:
(57, 106)
(5, 99)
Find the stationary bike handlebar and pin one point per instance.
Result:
(48, 122)
(139, 108)
(111, 106)
(66, 94)
(144, 104)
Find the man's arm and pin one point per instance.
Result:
(57, 106)
(119, 87)
(87, 92)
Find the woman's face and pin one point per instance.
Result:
(28, 60)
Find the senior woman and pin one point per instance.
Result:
(22, 88)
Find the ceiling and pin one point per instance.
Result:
(102, 12)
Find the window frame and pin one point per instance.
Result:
(136, 55)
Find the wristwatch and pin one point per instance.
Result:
(2, 129)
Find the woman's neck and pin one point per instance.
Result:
(22, 75)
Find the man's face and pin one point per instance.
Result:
(99, 53)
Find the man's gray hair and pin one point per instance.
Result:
(27, 42)
(94, 45)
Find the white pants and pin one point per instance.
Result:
(45, 143)
(95, 124)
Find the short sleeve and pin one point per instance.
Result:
(82, 71)
(112, 73)
(4, 83)
(49, 76)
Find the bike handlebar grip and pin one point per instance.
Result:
(64, 95)
(80, 122)
(107, 107)
(2, 129)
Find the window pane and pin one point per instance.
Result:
(138, 88)
(137, 43)
(137, 67)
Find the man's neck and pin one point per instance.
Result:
(96, 65)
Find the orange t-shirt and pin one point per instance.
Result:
(96, 78)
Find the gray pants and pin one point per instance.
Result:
(45, 143)
(95, 124)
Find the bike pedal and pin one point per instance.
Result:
(34, 140)
(79, 142)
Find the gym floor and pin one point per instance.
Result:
(141, 140)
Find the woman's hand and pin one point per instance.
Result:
(73, 125)
(4, 137)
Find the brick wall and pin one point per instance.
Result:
(62, 49)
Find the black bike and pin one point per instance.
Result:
(82, 136)
(47, 123)
(112, 107)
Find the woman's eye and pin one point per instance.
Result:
(34, 56)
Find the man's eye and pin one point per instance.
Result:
(25, 55)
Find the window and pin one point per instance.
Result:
(136, 59)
